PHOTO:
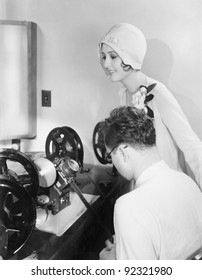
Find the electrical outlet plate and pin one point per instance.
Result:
(46, 98)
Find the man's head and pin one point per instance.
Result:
(128, 134)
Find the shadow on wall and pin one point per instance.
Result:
(158, 65)
(158, 61)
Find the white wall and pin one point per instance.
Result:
(68, 33)
(2, 9)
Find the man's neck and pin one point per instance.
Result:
(146, 159)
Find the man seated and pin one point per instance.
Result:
(161, 218)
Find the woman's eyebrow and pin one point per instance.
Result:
(113, 52)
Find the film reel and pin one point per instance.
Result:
(99, 146)
(17, 216)
(79, 145)
(16, 165)
(62, 142)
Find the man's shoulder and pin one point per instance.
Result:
(132, 199)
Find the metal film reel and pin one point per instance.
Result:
(99, 146)
(17, 216)
(79, 145)
(62, 142)
(16, 165)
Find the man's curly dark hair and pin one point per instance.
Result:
(129, 125)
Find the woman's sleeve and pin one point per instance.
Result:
(181, 131)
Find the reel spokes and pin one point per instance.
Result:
(16, 165)
(79, 145)
(64, 142)
(17, 216)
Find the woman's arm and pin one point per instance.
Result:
(180, 129)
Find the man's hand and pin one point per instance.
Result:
(109, 252)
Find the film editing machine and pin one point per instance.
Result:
(29, 187)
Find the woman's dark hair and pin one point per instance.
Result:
(129, 125)
(126, 67)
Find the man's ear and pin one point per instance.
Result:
(123, 152)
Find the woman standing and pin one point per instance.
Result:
(122, 51)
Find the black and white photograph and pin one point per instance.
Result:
(101, 138)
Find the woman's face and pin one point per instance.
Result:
(111, 62)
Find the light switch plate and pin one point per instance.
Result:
(46, 98)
